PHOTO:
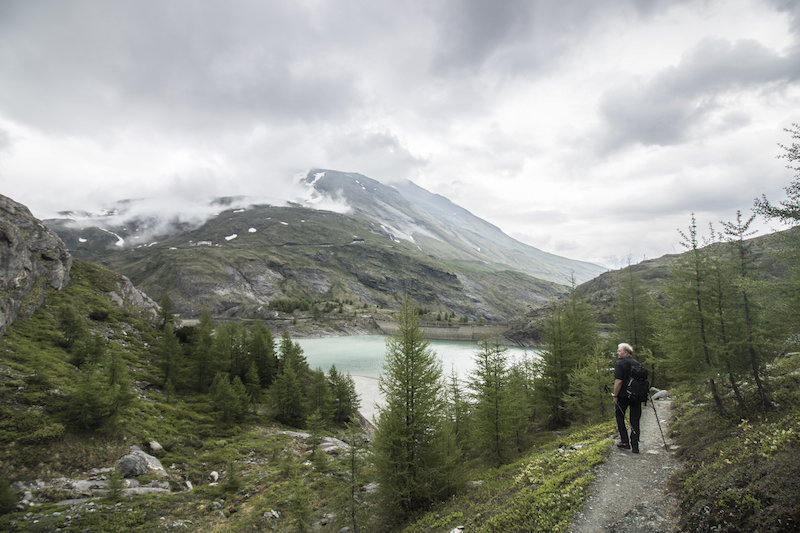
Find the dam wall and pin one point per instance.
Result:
(454, 332)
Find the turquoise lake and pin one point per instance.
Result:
(362, 356)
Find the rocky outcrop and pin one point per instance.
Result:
(31, 258)
(127, 296)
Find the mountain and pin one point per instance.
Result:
(390, 241)
(443, 229)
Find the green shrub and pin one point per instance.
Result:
(8, 499)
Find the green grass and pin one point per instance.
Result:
(538, 493)
(742, 475)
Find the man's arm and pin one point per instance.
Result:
(617, 389)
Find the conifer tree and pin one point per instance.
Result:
(587, 400)
(458, 408)
(788, 211)
(287, 398)
(352, 509)
(415, 456)
(262, 349)
(239, 349)
(166, 312)
(8, 498)
(221, 349)
(344, 396)
(726, 331)
(242, 398)
(570, 334)
(687, 326)
(72, 326)
(633, 311)
(751, 321)
(225, 398)
(169, 355)
(253, 386)
(89, 403)
(119, 386)
(291, 355)
(319, 396)
(202, 351)
(493, 418)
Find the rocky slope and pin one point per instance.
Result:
(32, 257)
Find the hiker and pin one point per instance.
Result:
(622, 376)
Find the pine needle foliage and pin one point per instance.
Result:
(415, 454)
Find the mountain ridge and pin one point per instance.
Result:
(246, 255)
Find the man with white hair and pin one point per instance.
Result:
(622, 376)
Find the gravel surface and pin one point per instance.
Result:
(630, 493)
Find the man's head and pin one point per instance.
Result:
(624, 350)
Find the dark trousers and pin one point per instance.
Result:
(636, 414)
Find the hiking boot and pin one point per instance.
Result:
(623, 445)
(635, 450)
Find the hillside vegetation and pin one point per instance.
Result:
(47, 393)
(299, 253)
(730, 460)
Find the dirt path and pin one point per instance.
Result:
(630, 493)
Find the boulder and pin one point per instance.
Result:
(132, 465)
(137, 463)
(660, 395)
(32, 258)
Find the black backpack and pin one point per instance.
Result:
(638, 385)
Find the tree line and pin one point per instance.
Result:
(239, 368)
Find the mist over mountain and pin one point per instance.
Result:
(348, 238)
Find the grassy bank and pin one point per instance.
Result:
(742, 473)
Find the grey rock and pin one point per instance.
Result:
(132, 465)
(32, 257)
(137, 463)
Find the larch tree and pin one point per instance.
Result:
(493, 405)
(415, 455)
(751, 323)
(346, 401)
(688, 328)
(202, 351)
(570, 334)
(262, 350)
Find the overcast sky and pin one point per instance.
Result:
(588, 129)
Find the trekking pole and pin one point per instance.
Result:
(653, 405)
(608, 390)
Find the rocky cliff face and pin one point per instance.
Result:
(31, 258)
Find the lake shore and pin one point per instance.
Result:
(370, 396)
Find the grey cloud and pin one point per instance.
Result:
(179, 64)
(5, 141)
(472, 29)
(379, 155)
(666, 109)
(514, 37)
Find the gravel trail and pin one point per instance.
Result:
(629, 493)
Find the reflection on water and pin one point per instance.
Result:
(362, 356)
